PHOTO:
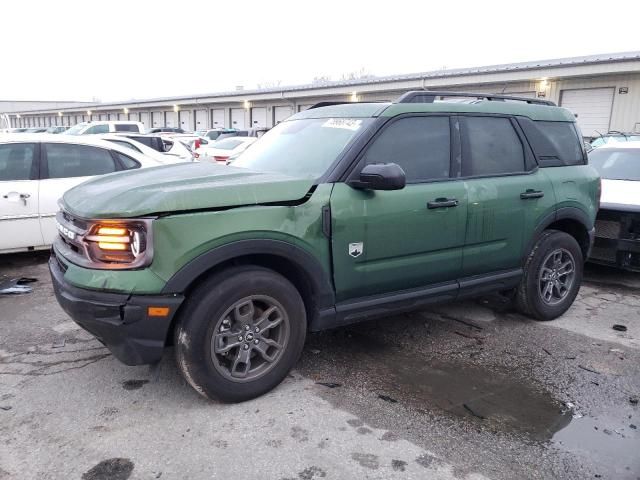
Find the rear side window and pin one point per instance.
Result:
(16, 161)
(490, 146)
(124, 144)
(68, 160)
(420, 145)
(564, 139)
(127, 162)
(126, 127)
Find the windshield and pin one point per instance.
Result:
(616, 164)
(301, 147)
(227, 144)
(76, 129)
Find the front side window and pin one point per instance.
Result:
(95, 129)
(420, 145)
(305, 148)
(68, 160)
(490, 146)
(16, 161)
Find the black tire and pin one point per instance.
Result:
(216, 304)
(531, 293)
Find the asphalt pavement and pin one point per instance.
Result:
(468, 390)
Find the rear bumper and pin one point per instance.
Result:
(617, 252)
(120, 321)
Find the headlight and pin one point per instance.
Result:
(120, 243)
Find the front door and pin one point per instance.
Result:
(19, 223)
(387, 241)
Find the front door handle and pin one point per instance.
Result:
(531, 193)
(442, 203)
(15, 197)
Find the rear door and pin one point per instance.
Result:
(19, 224)
(386, 241)
(65, 165)
(505, 190)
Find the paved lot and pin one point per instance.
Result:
(466, 391)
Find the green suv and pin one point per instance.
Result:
(339, 214)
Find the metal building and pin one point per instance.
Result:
(603, 91)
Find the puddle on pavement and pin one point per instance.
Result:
(603, 438)
(496, 399)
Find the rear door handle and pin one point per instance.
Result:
(442, 203)
(530, 193)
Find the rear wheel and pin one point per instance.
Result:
(240, 333)
(552, 276)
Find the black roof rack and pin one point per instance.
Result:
(328, 104)
(428, 96)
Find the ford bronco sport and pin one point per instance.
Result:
(339, 214)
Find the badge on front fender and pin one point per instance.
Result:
(355, 249)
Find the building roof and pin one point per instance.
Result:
(607, 58)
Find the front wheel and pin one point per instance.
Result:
(240, 333)
(552, 276)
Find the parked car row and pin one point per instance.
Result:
(36, 170)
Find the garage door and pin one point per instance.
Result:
(302, 108)
(259, 117)
(144, 119)
(201, 120)
(217, 118)
(185, 120)
(171, 119)
(592, 108)
(281, 113)
(157, 119)
(237, 118)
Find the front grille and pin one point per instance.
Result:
(608, 229)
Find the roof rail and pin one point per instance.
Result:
(428, 96)
(328, 104)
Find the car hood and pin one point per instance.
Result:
(180, 187)
(620, 193)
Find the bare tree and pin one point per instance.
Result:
(269, 84)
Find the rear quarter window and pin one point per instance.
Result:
(126, 127)
(555, 144)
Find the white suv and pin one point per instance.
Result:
(92, 128)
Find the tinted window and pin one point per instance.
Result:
(616, 163)
(127, 162)
(565, 141)
(66, 160)
(420, 145)
(16, 161)
(490, 146)
(104, 128)
(126, 127)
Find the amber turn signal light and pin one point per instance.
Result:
(157, 311)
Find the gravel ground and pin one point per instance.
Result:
(467, 391)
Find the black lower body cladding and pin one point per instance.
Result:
(120, 321)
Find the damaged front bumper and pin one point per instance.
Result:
(120, 321)
(617, 241)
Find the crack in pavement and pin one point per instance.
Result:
(42, 367)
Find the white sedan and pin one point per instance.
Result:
(222, 150)
(136, 146)
(35, 170)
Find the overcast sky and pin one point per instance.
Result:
(119, 50)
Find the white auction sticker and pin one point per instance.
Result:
(346, 123)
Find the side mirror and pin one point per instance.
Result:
(380, 176)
